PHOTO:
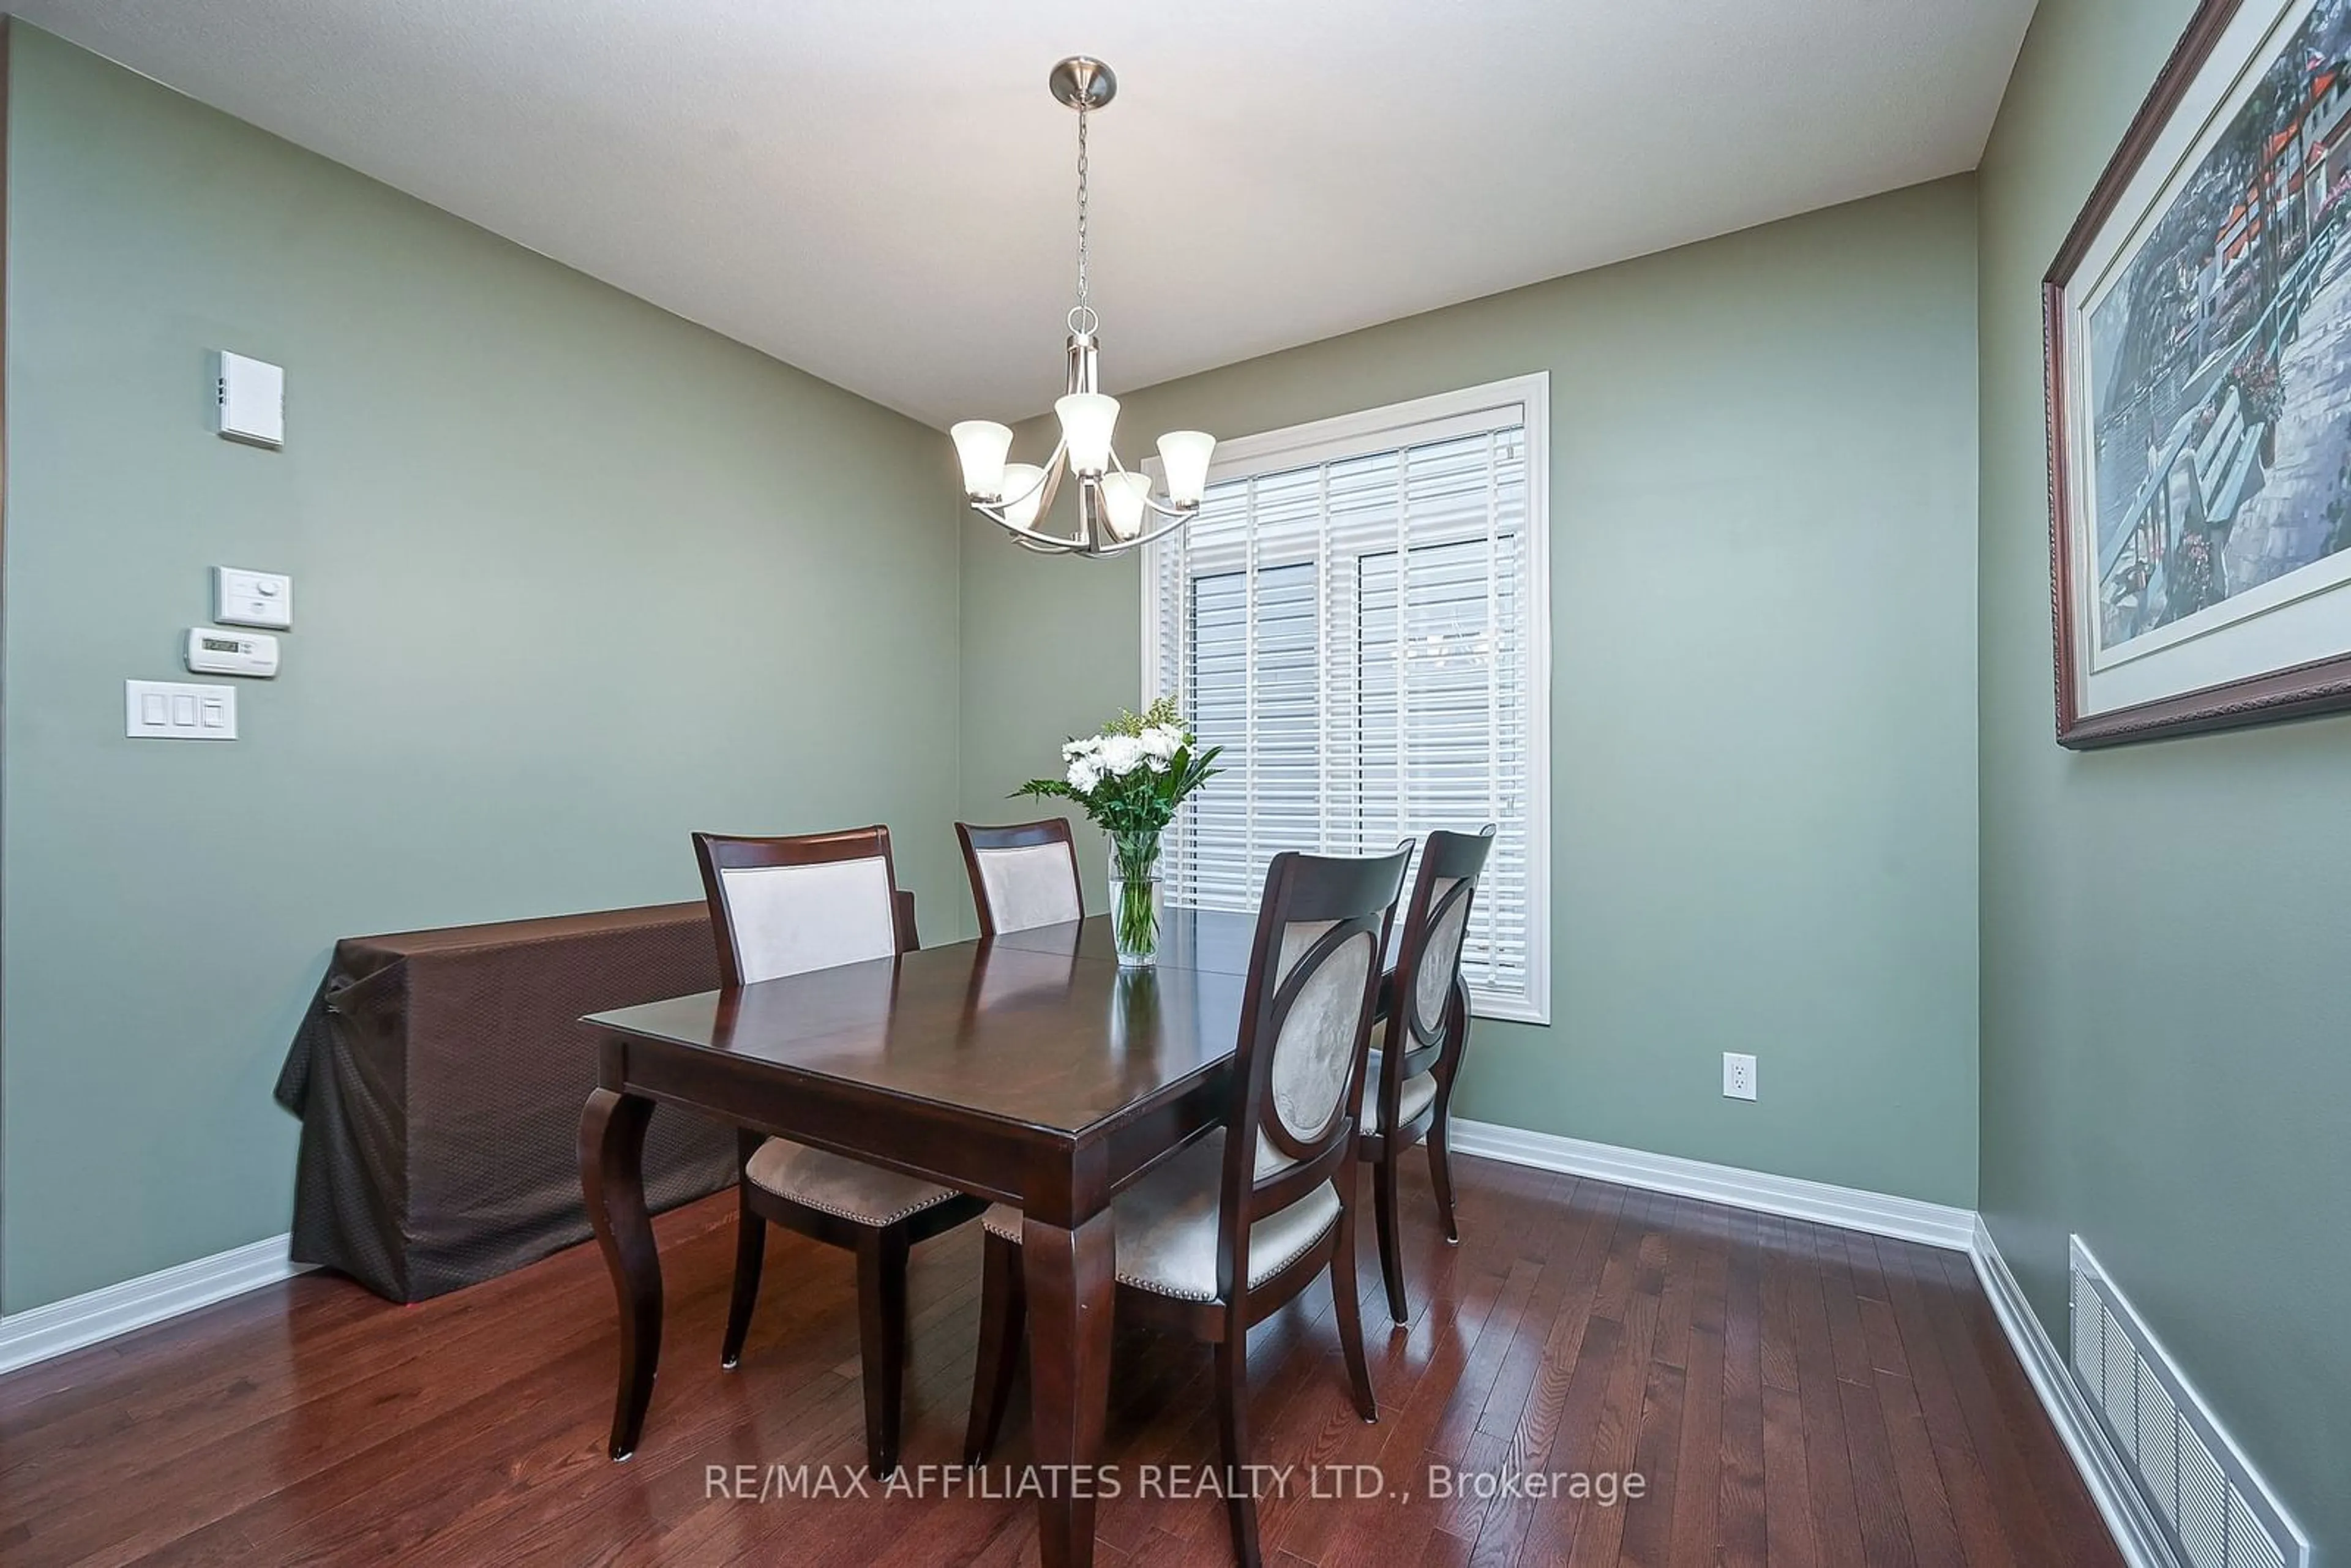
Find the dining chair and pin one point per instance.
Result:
(1225, 1230)
(785, 906)
(1022, 876)
(1418, 1041)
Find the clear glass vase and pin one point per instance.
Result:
(1135, 898)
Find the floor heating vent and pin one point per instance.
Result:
(2218, 1512)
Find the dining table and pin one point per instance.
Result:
(1029, 1068)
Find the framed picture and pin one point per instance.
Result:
(2198, 328)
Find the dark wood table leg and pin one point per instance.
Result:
(1068, 1279)
(612, 1178)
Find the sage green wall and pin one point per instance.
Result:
(1763, 513)
(574, 578)
(2165, 933)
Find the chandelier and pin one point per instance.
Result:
(1116, 510)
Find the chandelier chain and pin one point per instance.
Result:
(1083, 302)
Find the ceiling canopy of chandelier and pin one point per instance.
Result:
(1116, 510)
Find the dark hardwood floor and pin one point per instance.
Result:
(1789, 1393)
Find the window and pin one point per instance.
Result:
(1359, 615)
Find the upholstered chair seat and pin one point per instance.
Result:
(1165, 1225)
(1417, 1094)
(845, 1188)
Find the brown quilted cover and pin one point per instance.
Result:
(439, 1076)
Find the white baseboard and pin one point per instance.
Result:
(2137, 1534)
(79, 1321)
(1905, 1218)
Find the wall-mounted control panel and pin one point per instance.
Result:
(241, 598)
(173, 710)
(213, 652)
(251, 395)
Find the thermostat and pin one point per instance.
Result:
(242, 598)
(213, 652)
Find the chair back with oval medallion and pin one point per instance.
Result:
(1306, 1018)
(1427, 1023)
(1423, 1029)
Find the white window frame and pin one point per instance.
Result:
(1411, 424)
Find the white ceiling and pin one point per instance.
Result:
(880, 191)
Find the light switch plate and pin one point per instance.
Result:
(176, 710)
(242, 598)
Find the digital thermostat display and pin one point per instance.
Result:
(214, 653)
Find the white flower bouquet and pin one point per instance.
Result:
(1130, 778)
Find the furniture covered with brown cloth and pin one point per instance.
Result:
(439, 1075)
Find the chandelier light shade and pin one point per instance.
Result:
(1116, 510)
(1024, 494)
(1125, 498)
(982, 445)
(1086, 422)
(1183, 457)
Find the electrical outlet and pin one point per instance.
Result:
(1738, 1076)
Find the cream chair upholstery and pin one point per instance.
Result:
(1313, 1055)
(1440, 959)
(1419, 1093)
(1430, 985)
(1440, 962)
(1023, 876)
(836, 1185)
(1165, 1227)
(791, 919)
(1028, 886)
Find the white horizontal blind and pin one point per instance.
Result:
(1353, 627)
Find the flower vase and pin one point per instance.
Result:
(1135, 898)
